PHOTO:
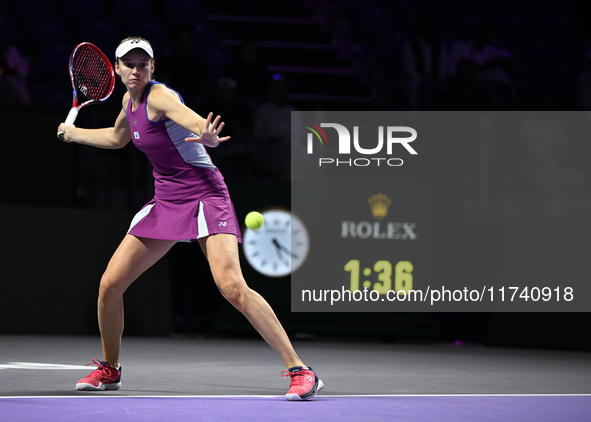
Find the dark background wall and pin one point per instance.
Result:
(54, 256)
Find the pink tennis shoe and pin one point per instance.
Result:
(105, 377)
(304, 383)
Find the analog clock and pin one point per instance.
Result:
(278, 248)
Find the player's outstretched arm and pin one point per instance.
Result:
(109, 138)
(166, 103)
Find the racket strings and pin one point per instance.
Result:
(92, 75)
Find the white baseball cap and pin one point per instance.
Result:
(127, 46)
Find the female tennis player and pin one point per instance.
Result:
(191, 203)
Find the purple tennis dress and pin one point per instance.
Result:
(191, 200)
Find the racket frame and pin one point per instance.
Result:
(71, 118)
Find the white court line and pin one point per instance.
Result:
(44, 366)
(318, 396)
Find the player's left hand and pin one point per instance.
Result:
(210, 135)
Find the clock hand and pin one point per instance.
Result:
(277, 247)
(280, 246)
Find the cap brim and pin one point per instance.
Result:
(132, 44)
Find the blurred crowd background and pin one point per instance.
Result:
(255, 61)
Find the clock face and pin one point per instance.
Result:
(278, 248)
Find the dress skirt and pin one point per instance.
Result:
(187, 219)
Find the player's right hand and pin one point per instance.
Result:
(62, 129)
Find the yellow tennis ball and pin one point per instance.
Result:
(254, 220)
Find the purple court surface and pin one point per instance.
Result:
(168, 379)
(325, 408)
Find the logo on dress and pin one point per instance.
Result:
(136, 135)
(135, 121)
(223, 224)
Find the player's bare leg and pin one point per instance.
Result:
(222, 253)
(133, 256)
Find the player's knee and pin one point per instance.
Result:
(233, 289)
(109, 286)
(231, 293)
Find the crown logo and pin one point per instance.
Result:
(379, 205)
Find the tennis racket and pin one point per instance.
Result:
(93, 78)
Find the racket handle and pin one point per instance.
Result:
(70, 120)
(71, 116)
